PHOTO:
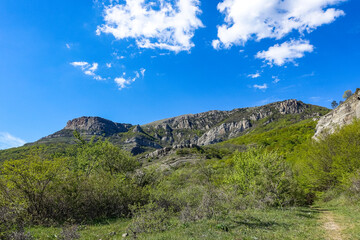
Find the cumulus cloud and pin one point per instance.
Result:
(286, 52)
(123, 81)
(88, 69)
(259, 19)
(254, 75)
(163, 24)
(261, 87)
(9, 141)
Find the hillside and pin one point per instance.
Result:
(278, 182)
(199, 129)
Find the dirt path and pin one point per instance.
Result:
(332, 228)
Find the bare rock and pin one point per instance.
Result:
(339, 117)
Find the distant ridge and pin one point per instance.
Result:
(198, 129)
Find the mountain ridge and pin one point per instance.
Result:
(198, 129)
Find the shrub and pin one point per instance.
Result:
(149, 218)
(12, 221)
(330, 163)
(91, 185)
(69, 232)
(264, 179)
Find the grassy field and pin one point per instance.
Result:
(294, 223)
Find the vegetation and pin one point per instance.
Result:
(347, 94)
(262, 185)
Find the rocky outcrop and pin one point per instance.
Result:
(223, 132)
(342, 115)
(200, 121)
(186, 130)
(291, 107)
(96, 126)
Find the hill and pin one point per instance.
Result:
(199, 129)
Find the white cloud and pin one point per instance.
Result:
(88, 69)
(276, 79)
(117, 56)
(261, 87)
(108, 65)
(9, 141)
(255, 75)
(286, 52)
(68, 46)
(154, 24)
(259, 19)
(123, 81)
(79, 64)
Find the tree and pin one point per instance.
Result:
(334, 104)
(347, 94)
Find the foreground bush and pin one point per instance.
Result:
(149, 218)
(332, 163)
(263, 179)
(93, 184)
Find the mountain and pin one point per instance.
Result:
(342, 115)
(195, 129)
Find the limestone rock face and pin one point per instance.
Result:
(201, 121)
(186, 130)
(342, 115)
(96, 126)
(225, 130)
(291, 107)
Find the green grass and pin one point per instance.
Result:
(295, 223)
(107, 230)
(347, 215)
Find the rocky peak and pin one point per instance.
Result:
(291, 106)
(138, 129)
(342, 115)
(96, 126)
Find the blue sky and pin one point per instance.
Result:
(140, 61)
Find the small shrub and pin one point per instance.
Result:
(69, 232)
(149, 218)
(12, 221)
(20, 235)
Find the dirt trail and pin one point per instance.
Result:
(332, 228)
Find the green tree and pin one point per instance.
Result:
(265, 177)
(334, 104)
(28, 182)
(98, 155)
(347, 94)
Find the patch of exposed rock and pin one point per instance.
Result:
(223, 132)
(339, 117)
(199, 129)
(96, 126)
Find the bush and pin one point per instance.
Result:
(149, 218)
(69, 232)
(91, 185)
(12, 223)
(264, 179)
(331, 163)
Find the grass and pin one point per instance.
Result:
(294, 223)
(347, 215)
(112, 229)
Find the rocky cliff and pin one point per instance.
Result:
(342, 115)
(196, 129)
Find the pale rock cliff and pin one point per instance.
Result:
(342, 115)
